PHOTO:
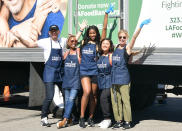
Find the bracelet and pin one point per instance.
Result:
(81, 30)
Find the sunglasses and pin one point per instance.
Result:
(72, 41)
(122, 37)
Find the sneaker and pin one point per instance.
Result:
(62, 124)
(118, 124)
(127, 125)
(106, 124)
(82, 123)
(44, 122)
(101, 123)
(91, 122)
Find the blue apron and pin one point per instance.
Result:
(104, 72)
(88, 66)
(120, 74)
(53, 66)
(71, 78)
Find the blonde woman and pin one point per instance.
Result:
(120, 79)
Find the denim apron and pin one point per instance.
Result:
(88, 66)
(71, 78)
(119, 74)
(104, 72)
(53, 66)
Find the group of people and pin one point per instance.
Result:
(96, 64)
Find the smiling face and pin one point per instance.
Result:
(122, 38)
(72, 42)
(14, 6)
(105, 46)
(92, 34)
(54, 34)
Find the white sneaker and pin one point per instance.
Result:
(106, 124)
(44, 122)
(101, 123)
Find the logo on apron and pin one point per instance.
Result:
(116, 58)
(56, 58)
(70, 64)
(88, 51)
(102, 65)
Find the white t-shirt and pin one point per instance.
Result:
(46, 45)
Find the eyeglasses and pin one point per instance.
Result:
(122, 37)
(73, 41)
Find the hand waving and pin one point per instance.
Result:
(83, 25)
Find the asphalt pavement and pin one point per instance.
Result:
(158, 117)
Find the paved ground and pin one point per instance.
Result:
(158, 117)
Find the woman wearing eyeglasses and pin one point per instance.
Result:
(121, 79)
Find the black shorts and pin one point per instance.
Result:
(93, 78)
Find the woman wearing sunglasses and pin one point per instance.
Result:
(71, 79)
(120, 78)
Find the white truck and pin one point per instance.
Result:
(158, 63)
(161, 41)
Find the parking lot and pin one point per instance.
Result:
(158, 117)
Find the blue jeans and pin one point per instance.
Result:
(49, 90)
(70, 95)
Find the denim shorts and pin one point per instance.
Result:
(93, 78)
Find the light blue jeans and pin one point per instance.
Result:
(70, 95)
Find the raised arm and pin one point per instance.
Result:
(83, 25)
(132, 42)
(104, 29)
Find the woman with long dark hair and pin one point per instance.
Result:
(88, 69)
(104, 65)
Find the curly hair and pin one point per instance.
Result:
(111, 48)
(86, 38)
